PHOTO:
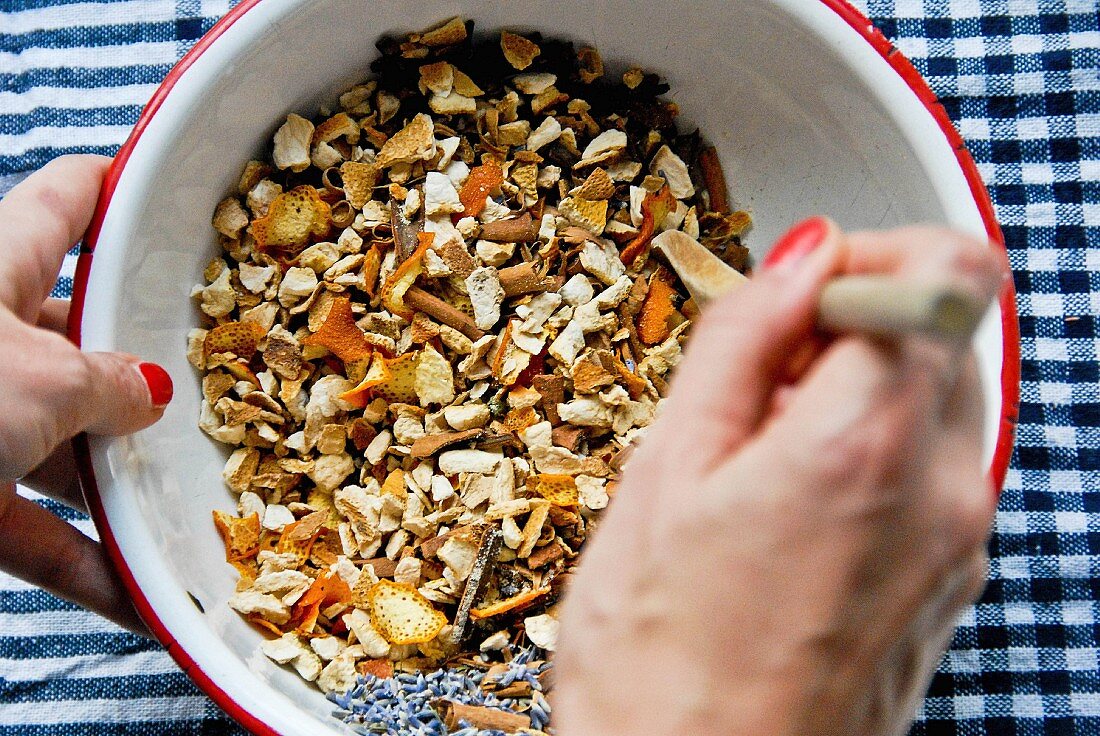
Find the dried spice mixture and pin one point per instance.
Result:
(436, 328)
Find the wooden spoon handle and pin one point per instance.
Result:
(885, 307)
(872, 305)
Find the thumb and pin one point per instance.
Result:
(125, 393)
(745, 342)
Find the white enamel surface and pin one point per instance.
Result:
(807, 117)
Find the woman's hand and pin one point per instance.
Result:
(793, 541)
(50, 390)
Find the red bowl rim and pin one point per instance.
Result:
(1010, 368)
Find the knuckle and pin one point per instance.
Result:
(973, 512)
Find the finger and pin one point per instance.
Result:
(57, 478)
(43, 217)
(58, 391)
(54, 315)
(741, 351)
(122, 394)
(963, 409)
(45, 551)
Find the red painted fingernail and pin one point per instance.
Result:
(159, 383)
(798, 242)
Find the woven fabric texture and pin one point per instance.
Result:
(1021, 81)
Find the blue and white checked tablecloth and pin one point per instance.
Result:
(1021, 80)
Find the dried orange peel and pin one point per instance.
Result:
(325, 591)
(482, 181)
(655, 207)
(655, 317)
(239, 338)
(393, 293)
(559, 490)
(402, 615)
(241, 536)
(509, 604)
(340, 335)
(293, 219)
(400, 387)
(377, 374)
(300, 548)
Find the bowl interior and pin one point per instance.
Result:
(807, 118)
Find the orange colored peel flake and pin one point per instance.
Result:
(241, 536)
(289, 542)
(482, 181)
(377, 374)
(239, 338)
(559, 490)
(400, 386)
(402, 615)
(340, 335)
(509, 604)
(655, 207)
(293, 219)
(325, 591)
(393, 293)
(654, 318)
(372, 266)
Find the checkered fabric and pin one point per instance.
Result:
(1021, 80)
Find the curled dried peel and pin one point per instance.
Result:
(239, 338)
(289, 542)
(359, 180)
(378, 373)
(509, 604)
(293, 219)
(325, 591)
(482, 181)
(340, 335)
(654, 323)
(402, 615)
(241, 536)
(559, 490)
(519, 51)
(400, 386)
(655, 207)
(393, 293)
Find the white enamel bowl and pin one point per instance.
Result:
(812, 112)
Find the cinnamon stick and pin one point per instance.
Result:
(524, 279)
(715, 180)
(433, 306)
(522, 229)
(478, 716)
(428, 445)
